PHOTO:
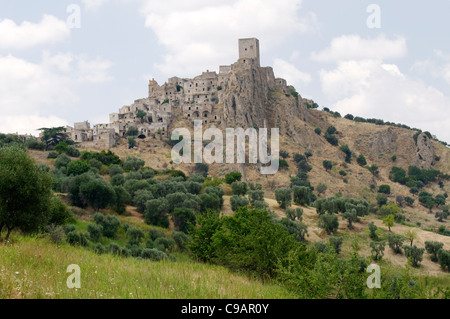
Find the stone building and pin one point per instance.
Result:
(193, 99)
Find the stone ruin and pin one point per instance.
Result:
(191, 99)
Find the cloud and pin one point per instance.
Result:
(48, 31)
(439, 67)
(93, 5)
(353, 47)
(201, 34)
(33, 95)
(290, 73)
(373, 89)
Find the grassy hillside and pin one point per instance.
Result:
(36, 268)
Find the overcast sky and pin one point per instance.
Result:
(375, 59)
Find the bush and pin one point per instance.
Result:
(181, 239)
(74, 238)
(184, 219)
(237, 201)
(210, 201)
(444, 259)
(381, 200)
(95, 232)
(166, 244)
(372, 229)
(395, 242)
(384, 189)
(232, 177)
(336, 243)
(433, 247)
(73, 152)
(98, 249)
(377, 249)
(141, 197)
(52, 155)
(331, 139)
(153, 254)
(251, 242)
(34, 144)
(59, 212)
(62, 161)
(97, 193)
(327, 165)
(348, 153)
(133, 164)
(284, 197)
(318, 131)
(154, 233)
(239, 188)
(115, 170)
(329, 222)
(255, 195)
(409, 201)
(361, 160)
(201, 168)
(321, 188)
(414, 254)
(302, 195)
(135, 236)
(299, 230)
(294, 214)
(77, 168)
(114, 249)
(156, 212)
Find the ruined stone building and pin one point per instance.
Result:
(209, 97)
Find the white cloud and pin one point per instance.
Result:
(438, 69)
(353, 47)
(27, 89)
(372, 89)
(291, 74)
(201, 34)
(49, 30)
(93, 5)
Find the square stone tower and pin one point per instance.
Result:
(249, 49)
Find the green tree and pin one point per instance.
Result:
(98, 194)
(372, 229)
(411, 236)
(52, 136)
(351, 216)
(25, 192)
(348, 153)
(327, 165)
(156, 212)
(294, 214)
(395, 242)
(237, 201)
(77, 168)
(414, 254)
(232, 177)
(321, 188)
(239, 188)
(433, 247)
(381, 200)
(95, 232)
(135, 236)
(132, 143)
(336, 243)
(132, 131)
(377, 249)
(444, 259)
(122, 198)
(251, 242)
(283, 197)
(184, 219)
(361, 160)
(389, 221)
(201, 245)
(329, 222)
(302, 195)
(384, 189)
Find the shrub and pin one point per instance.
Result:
(381, 200)
(153, 254)
(284, 197)
(302, 195)
(351, 217)
(321, 188)
(201, 168)
(210, 201)
(261, 205)
(98, 249)
(409, 200)
(167, 244)
(384, 189)
(433, 247)
(398, 175)
(331, 139)
(348, 153)
(133, 164)
(377, 249)
(395, 242)
(95, 232)
(361, 160)
(156, 212)
(336, 243)
(255, 195)
(97, 193)
(414, 254)
(284, 154)
(232, 177)
(329, 222)
(237, 201)
(52, 155)
(372, 229)
(250, 241)
(327, 165)
(74, 238)
(141, 197)
(154, 233)
(239, 188)
(181, 239)
(294, 214)
(184, 219)
(135, 236)
(318, 131)
(62, 161)
(299, 230)
(77, 168)
(444, 259)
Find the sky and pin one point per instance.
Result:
(69, 61)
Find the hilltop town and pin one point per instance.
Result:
(193, 99)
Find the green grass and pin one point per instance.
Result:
(35, 268)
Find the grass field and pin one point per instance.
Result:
(35, 268)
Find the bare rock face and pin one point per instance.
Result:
(383, 142)
(251, 98)
(425, 152)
